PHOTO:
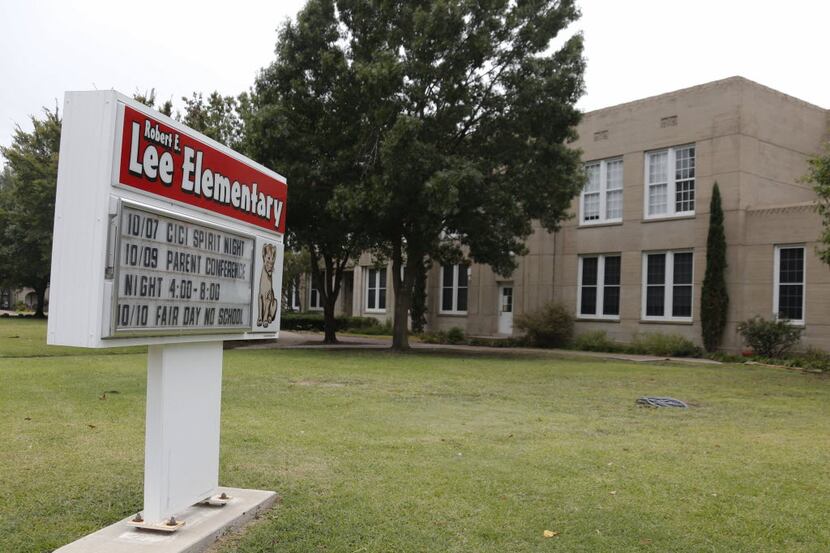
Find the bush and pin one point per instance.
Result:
(769, 338)
(812, 359)
(376, 329)
(552, 326)
(596, 340)
(664, 345)
(436, 337)
(314, 321)
(455, 335)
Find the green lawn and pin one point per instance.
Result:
(377, 452)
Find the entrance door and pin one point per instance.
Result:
(506, 308)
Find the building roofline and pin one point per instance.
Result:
(710, 84)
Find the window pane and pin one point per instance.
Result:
(684, 163)
(370, 301)
(683, 268)
(592, 183)
(507, 300)
(446, 299)
(656, 268)
(381, 282)
(791, 301)
(612, 270)
(681, 301)
(658, 167)
(684, 198)
(589, 271)
(655, 301)
(658, 199)
(791, 265)
(588, 304)
(462, 276)
(447, 278)
(590, 207)
(611, 300)
(614, 170)
(382, 298)
(462, 299)
(613, 204)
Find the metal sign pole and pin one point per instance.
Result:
(184, 392)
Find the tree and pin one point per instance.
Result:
(149, 100)
(470, 110)
(714, 300)
(219, 117)
(306, 120)
(27, 205)
(819, 176)
(295, 265)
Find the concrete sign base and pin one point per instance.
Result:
(204, 525)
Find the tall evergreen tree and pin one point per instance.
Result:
(819, 176)
(714, 301)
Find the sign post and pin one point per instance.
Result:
(166, 238)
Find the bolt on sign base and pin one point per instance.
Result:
(170, 525)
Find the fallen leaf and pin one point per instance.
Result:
(103, 396)
(645, 541)
(550, 534)
(27, 419)
(613, 493)
(92, 426)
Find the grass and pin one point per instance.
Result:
(377, 452)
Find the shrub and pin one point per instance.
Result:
(769, 338)
(455, 335)
(813, 359)
(596, 340)
(436, 337)
(552, 326)
(314, 321)
(666, 345)
(376, 329)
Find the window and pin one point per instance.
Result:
(599, 287)
(315, 300)
(667, 286)
(788, 300)
(602, 196)
(506, 299)
(454, 283)
(670, 182)
(376, 290)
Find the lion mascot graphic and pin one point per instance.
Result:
(267, 301)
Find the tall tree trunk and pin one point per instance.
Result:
(329, 321)
(40, 292)
(402, 287)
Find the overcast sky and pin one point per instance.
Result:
(635, 48)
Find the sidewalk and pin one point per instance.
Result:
(314, 340)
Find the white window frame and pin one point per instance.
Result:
(377, 287)
(454, 311)
(776, 276)
(671, 183)
(668, 287)
(603, 194)
(600, 286)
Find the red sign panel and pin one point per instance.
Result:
(164, 161)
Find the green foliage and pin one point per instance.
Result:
(294, 266)
(551, 326)
(664, 345)
(418, 308)
(306, 119)
(813, 359)
(714, 301)
(596, 340)
(27, 205)
(217, 117)
(769, 338)
(149, 100)
(819, 176)
(455, 335)
(315, 321)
